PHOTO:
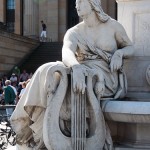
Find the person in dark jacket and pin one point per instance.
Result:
(9, 97)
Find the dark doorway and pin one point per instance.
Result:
(72, 15)
(10, 15)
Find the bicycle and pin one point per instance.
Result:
(7, 135)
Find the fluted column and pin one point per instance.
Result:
(2, 10)
(31, 15)
(18, 16)
(48, 12)
(62, 18)
(53, 19)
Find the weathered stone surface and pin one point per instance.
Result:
(134, 15)
(64, 107)
(13, 48)
(127, 111)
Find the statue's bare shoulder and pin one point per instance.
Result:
(71, 32)
(120, 33)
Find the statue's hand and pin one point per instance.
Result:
(99, 89)
(116, 61)
(78, 79)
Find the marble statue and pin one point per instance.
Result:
(61, 109)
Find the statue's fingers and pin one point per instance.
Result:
(74, 86)
(99, 96)
(112, 67)
(118, 65)
(80, 87)
(83, 88)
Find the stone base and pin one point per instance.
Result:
(129, 123)
(127, 148)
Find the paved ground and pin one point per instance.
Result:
(12, 148)
(3, 134)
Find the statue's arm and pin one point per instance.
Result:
(69, 49)
(125, 47)
(124, 44)
(69, 59)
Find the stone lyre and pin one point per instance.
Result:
(78, 120)
(54, 139)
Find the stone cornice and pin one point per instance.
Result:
(18, 37)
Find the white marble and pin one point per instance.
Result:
(134, 15)
(127, 111)
(56, 108)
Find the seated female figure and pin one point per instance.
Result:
(98, 43)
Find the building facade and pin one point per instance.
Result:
(24, 16)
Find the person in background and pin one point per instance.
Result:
(23, 84)
(13, 79)
(24, 76)
(4, 78)
(1, 93)
(16, 71)
(43, 33)
(1, 87)
(9, 97)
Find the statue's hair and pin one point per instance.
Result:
(96, 6)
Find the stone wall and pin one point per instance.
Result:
(135, 16)
(13, 49)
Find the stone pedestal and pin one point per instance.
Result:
(129, 122)
(134, 15)
(133, 134)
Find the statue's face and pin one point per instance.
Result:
(83, 8)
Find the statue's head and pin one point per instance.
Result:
(85, 7)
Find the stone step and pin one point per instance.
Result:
(46, 52)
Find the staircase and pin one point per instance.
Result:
(13, 49)
(46, 52)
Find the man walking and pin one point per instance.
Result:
(9, 97)
(43, 33)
